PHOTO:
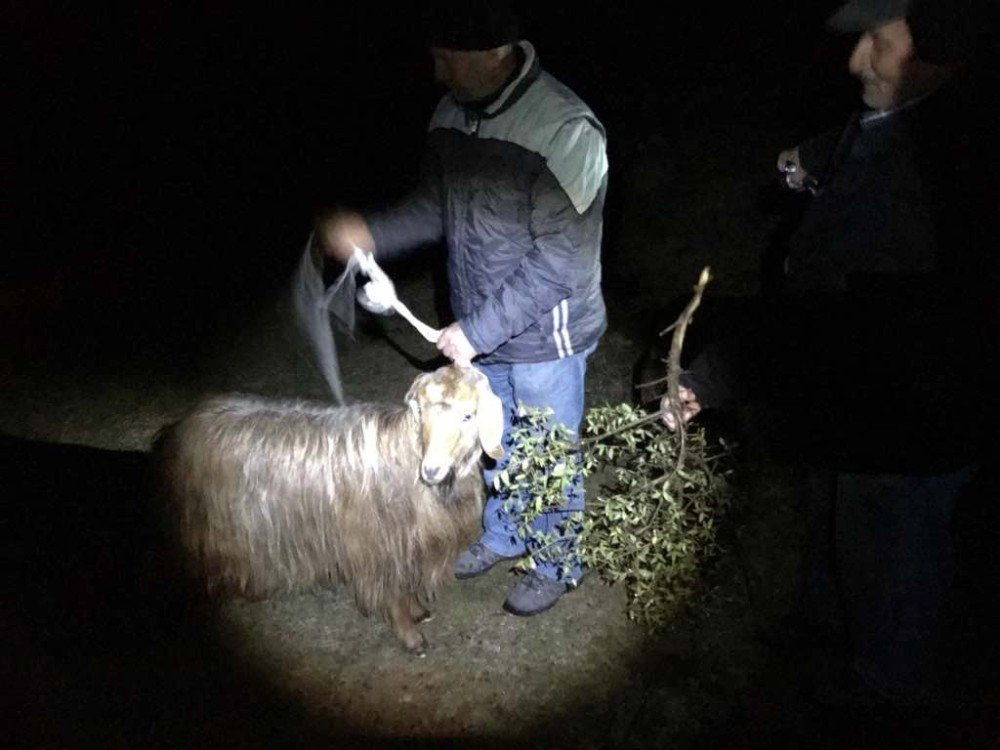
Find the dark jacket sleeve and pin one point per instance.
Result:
(734, 340)
(416, 220)
(818, 153)
(711, 377)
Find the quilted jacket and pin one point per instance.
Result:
(515, 188)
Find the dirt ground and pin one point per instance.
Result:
(486, 675)
(105, 650)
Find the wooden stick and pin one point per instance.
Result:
(679, 328)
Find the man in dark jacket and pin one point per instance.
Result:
(513, 180)
(876, 357)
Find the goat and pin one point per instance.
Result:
(275, 495)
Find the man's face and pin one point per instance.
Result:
(885, 62)
(470, 75)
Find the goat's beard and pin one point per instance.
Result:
(444, 487)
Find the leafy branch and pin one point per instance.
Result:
(655, 496)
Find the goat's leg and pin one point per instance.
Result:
(404, 626)
(418, 611)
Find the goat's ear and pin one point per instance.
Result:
(490, 417)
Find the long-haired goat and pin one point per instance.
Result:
(270, 496)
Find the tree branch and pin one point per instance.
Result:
(624, 428)
(679, 328)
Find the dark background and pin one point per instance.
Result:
(164, 164)
(166, 161)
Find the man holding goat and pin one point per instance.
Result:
(513, 181)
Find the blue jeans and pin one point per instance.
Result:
(557, 385)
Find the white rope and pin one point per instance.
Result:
(379, 295)
(314, 304)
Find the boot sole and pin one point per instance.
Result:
(487, 569)
(524, 613)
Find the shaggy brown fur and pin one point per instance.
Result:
(270, 496)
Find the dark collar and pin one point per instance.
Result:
(524, 74)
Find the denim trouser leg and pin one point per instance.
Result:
(558, 385)
(894, 554)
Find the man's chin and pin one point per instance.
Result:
(876, 100)
(461, 95)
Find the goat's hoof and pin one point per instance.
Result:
(422, 617)
(415, 643)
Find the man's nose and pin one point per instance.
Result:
(860, 55)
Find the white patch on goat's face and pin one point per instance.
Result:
(449, 430)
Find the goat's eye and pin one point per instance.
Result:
(467, 417)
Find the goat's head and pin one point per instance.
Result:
(459, 416)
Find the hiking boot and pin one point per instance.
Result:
(476, 560)
(534, 594)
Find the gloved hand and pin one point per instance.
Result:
(796, 178)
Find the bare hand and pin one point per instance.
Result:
(338, 232)
(455, 346)
(689, 407)
(790, 166)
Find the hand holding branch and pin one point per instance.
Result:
(689, 407)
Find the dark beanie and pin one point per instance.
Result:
(856, 16)
(470, 24)
(943, 31)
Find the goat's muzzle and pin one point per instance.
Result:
(432, 475)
